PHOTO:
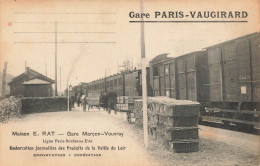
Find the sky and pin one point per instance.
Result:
(94, 37)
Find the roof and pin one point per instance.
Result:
(190, 54)
(159, 58)
(31, 74)
(36, 81)
(256, 33)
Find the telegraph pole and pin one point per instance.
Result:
(56, 93)
(144, 86)
(60, 79)
(4, 80)
(68, 93)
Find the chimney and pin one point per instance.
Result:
(25, 68)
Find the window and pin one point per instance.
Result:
(180, 66)
(115, 82)
(166, 69)
(155, 71)
(120, 81)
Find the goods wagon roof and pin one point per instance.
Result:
(252, 34)
(159, 58)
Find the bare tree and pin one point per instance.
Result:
(126, 65)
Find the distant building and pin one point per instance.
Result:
(31, 84)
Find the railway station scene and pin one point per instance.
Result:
(131, 83)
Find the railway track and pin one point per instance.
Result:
(232, 127)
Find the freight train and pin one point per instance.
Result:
(224, 78)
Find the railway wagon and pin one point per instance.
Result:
(115, 83)
(131, 88)
(95, 86)
(234, 75)
(191, 76)
(139, 83)
(181, 78)
(162, 76)
(127, 83)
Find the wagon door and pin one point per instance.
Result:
(182, 95)
(155, 81)
(172, 81)
(215, 74)
(244, 72)
(167, 80)
(191, 78)
(162, 83)
(230, 65)
(255, 51)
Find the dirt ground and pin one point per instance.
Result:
(214, 149)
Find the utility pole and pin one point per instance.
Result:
(4, 80)
(68, 93)
(105, 80)
(132, 63)
(60, 79)
(144, 86)
(56, 93)
(46, 69)
(117, 64)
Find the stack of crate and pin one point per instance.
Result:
(174, 123)
(138, 112)
(126, 103)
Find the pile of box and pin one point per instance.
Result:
(126, 103)
(138, 112)
(173, 123)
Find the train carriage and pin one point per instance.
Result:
(161, 70)
(224, 78)
(131, 79)
(234, 74)
(192, 76)
(115, 83)
(182, 78)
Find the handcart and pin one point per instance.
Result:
(93, 99)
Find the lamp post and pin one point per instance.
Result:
(69, 87)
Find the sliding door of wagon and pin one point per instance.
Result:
(182, 95)
(255, 51)
(155, 79)
(215, 74)
(166, 80)
(191, 78)
(244, 73)
(230, 67)
(162, 83)
(172, 81)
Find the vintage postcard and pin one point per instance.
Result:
(129, 82)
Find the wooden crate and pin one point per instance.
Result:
(183, 110)
(179, 121)
(185, 146)
(178, 133)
